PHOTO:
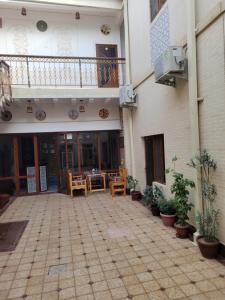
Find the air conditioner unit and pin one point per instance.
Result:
(171, 65)
(127, 96)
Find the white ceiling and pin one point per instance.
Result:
(50, 7)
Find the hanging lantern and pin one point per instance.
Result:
(77, 15)
(29, 107)
(23, 11)
(82, 108)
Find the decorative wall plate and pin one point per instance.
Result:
(40, 115)
(6, 115)
(42, 26)
(73, 114)
(105, 29)
(103, 113)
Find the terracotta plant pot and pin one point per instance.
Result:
(135, 196)
(208, 249)
(168, 220)
(182, 231)
(155, 210)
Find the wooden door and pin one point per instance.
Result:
(107, 69)
(149, 166)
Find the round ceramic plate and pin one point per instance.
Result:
(103, 113)
(42, 25)
(6, 115)
(40, 115)
(73, 114)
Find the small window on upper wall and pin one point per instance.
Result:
(155, 6)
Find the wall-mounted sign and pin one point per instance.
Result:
(69, 136)
(31, 180)
(43, 179)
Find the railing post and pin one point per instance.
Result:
(28, 71)
(80, 73)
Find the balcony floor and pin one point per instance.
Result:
(109, 249)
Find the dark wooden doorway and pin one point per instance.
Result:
(149, 161)
(107, 69)
(155, 159)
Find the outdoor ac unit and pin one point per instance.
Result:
(127, 96)
(171, 65)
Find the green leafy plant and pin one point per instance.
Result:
(208, 219)
(167, 207)
(147, 195)
(181, 193)
(152, 195)
(131, 183)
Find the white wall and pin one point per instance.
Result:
(139, 25)
(65, 35)
(57, 119)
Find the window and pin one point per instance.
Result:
(155, 159)
(155, 6)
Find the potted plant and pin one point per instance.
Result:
(147, 196)
(167, 212)
(129, 184)
(157, 196)
(132, 184)
(182, 205)
(208, 219)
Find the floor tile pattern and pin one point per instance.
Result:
(109, 249)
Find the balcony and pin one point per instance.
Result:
(51, 73)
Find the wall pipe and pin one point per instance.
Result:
(193, 95)
(127, 112)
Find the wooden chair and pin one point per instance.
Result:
(118, 183)
(77, 183)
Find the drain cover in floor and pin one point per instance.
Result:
(58, 269)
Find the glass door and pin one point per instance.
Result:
(48, 164)
(27, 159)
(108, 68)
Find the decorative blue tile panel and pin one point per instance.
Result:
(160, 34)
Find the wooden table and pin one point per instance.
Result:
(91, 177)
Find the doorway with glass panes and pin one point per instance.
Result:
(39, 163)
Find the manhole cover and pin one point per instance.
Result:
(52, 270)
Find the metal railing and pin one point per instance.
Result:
(38, 71)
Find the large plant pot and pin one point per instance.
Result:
(182, 231)
(168, 220)
(135, 196)
(208, 249)
(155, 210)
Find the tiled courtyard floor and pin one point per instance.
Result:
(108, 249)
